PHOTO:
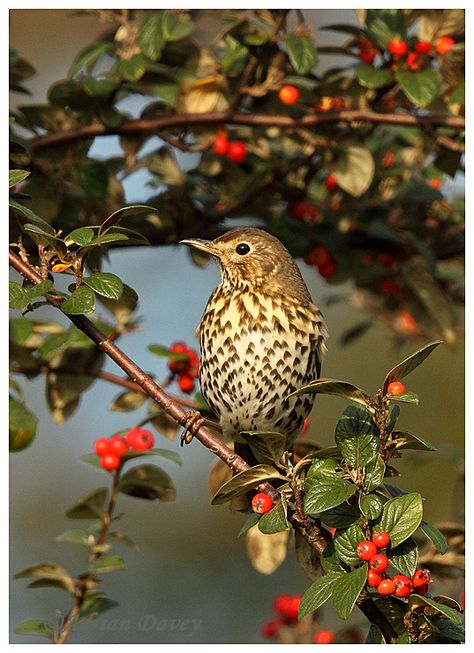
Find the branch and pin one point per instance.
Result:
(151, 125)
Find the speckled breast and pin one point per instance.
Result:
(255, 350)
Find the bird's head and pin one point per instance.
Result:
(251, 257)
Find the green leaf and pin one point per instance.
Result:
(93, 177)
(357, 437)
(89, 507)
(31, 216)
(354, 169)
(20, 330)
(98, 87)
(324, 494)
(125, 212)
(374, 474)
(319, 592)
(453, 615)
(94, 605)
(370, 506)
(106, 564)
(82, 300)
(172, 456)
(270, 445)
(111, 237)
(16, 176)
(17, 297)
(405, 440)
(346, 542)
(385, 24)
(322, 467)
(148, 482)
(249, 523)
(346, 590)
(127, 401)
(132, 69)
(73, 536)
(177, 26)
(330, 560)
(161, 350)
(422, 87)
(53, 345)
(371, 77)
(409, 364)
(457, 94)
(45, 238)
(235, 55)
(450, 630)
(87, 56)
(81, 236)
(38, 289)
(22, 426)
(48, 571)
(274, 521)
(122, 309)
(244, 481)
(401, 517)
(393, 415)
(341, 516)
(152, 37)
(334, 387)
(302, 53)
(404, 557)
(435, 536)
(36, 627)
(106, 284)
(406, 398)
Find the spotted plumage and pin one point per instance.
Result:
(261, 336)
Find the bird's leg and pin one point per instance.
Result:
(193, 423)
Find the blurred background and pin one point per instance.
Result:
(191, 581)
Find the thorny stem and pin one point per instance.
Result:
(309, 532)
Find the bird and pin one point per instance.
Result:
(261, 336)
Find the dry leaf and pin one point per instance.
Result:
(266, 552)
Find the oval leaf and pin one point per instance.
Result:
(274, 521)
(334, 387)
(401, 517)
(370, 506)
(319, 592)
(270, 445)
(244, 481)
(105, 283)
(346, 590)
(302, 53)
(82, 300)
(435, 536)
(36, 627)
(409, 364)
(421, 87)
(357, 437)
(106, 564)
(324, 494)
(346, 542)
(404, 557)
(148, 482)
(354, 170)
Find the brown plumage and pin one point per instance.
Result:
(261, 336)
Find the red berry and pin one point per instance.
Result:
(379, 563)
(287, 606)
(444, 44)
(262, 503)
(331, 183)
(390, 287)
(366, 549)
(186, 382)
(324, 636)
(387, 586)
(387, 260)
(319, 255)
(435, 183)
(422, 47)
(374, 578)
(388, 159)
(179, 348)
(140, 439)
(305, 427)
(405, 322)
(395, 388)
(326, 270)
(288, 94)
(397, 47)
(403, 585)
(415, 62)
(118, 446)
(332, 530)
(102, 446)
(367, 51)
(421, 590)
(421, 577)
(109, 462)
(381, 540)
(270, 628)
(237, 151)
(221, 145)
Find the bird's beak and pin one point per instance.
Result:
(205, 246)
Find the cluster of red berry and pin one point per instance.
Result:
(111, 450)
(287, 608)
(186, 369)
(322, 259)
(235, 151)
(398, 47)
(303, 211)
(400, 585)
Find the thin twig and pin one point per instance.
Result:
(152, 125)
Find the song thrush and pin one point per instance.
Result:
(261, 336)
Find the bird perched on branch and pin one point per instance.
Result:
(261, 336)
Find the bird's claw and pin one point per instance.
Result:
(193, 423)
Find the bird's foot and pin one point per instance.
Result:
(193, 423)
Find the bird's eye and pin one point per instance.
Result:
(242, 248)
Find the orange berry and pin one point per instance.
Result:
(324, 636)
(262, 503)
(288, 94)
(396, 388)
(444, 44)
(387, 586)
